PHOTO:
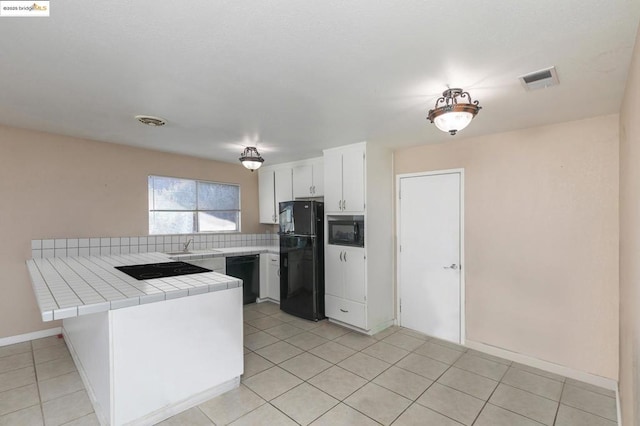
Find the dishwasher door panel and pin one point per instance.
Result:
(247, 268)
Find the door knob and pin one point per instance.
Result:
(453, 266)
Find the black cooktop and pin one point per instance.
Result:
(161, 270)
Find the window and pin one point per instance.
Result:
(185, 206)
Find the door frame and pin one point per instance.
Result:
(463, 267)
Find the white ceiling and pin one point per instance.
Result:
(295, 77)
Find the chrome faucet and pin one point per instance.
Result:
(186, 245)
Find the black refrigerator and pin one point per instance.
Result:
(302, 259)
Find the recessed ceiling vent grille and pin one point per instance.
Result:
(540, 79)
(151, 121)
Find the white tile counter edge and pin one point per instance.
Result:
(51, 308)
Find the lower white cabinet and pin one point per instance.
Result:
(345, 285)
(270, 277)
(346, 311)
(273, 287)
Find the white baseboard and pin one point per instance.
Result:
(618, 406)
(11, 340)
(378, 328)
(158, 415)
(582, 376)
(173, 409)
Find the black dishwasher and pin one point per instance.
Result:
(247, 268)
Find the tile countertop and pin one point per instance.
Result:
(67, 287)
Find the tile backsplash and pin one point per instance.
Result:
(61, 247)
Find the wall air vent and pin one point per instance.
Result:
(540, 79)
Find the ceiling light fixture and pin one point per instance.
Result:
(451, 116)
(251, 158)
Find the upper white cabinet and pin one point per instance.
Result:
(275, 184)
(308, 178)
(283, 187)
(266, 196)
(344, 179)
(286, 182)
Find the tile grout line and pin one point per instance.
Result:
(425, 339)
(555, 418)
(487, 401)
(35, 373)
(409, 352)
(429, 387)
(340, 401)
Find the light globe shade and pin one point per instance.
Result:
(252, 165)
(453, 121)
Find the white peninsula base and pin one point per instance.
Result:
(145, 363)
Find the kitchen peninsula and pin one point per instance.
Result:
(146, 349)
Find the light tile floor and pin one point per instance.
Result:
(299, 372)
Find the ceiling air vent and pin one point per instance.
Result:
(540, 79)
(151, 121)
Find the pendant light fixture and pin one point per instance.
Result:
(450, 115)
(251, 158)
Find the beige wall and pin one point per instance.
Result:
(54, 186)
(541, 238)
(630, 245)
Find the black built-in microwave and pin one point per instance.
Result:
(346, 232)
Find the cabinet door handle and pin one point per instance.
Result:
(340, 205)
(341, 256)
(344, 204)
(342, 310)
(345, 256)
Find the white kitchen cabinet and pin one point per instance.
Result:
(332, 181)
(273, 288)
(274, 185)
(344, 180)
(308, 178)
(270, 277)
(266, 196)
(359, 281)
(345, 273)
(345, 284)
(283, 187)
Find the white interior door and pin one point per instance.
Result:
(430, 250)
